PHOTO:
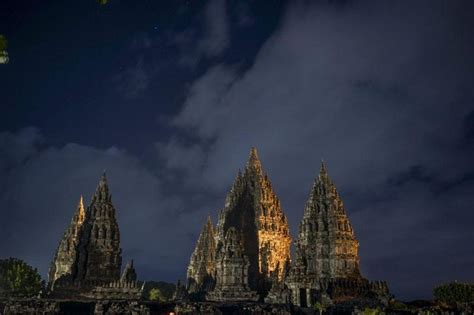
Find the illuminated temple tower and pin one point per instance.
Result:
(64, 263)
(327, 259)
(252, 208)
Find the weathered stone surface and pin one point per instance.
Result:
(232, 271)
(326, 265)
(99, 250)
(279, 292)
(326, 244)
(64, 264)
(254, 210)
(88, 260)
(202, 265)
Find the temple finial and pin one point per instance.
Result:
(102, 191)
(254, 161)
(323, 170)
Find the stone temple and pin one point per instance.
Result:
(326, 265)
(260, 235)
(247, 256)
(88, 260)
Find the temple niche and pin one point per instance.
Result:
(88, 260)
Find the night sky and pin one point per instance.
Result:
(169, 97)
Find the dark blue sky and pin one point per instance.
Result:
(170, 96)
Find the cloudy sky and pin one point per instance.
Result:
(169, 97)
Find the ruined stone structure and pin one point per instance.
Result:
(201, 269)
(88, 260)
(327, 260)
(232, 271)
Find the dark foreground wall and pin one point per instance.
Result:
(53, 307)
(122, 307)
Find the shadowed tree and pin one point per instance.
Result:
(17, 278)
(454, 293)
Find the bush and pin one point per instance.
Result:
(17, 278)
(454, 293)
(156, 295)
(158, 291)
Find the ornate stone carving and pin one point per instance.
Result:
(99, 251)
(88, 260)
(327, 261)
(64, 264)
(254, 210)
(202, 264)
(232, 271)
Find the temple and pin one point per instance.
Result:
(326, 265)
(253, 210)
(88, 260)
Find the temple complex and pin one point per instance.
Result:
(250, 251)
(245, 258)
(88, 260)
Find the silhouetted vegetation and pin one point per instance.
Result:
(454, 293)
(17, 278)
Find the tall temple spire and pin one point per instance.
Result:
(202, 263)
(100, 241)
(64, 263)
(253, 208)
(326, 242)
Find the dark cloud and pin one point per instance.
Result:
(209, 40)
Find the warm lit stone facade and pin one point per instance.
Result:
(64, 263)
(252, 208)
